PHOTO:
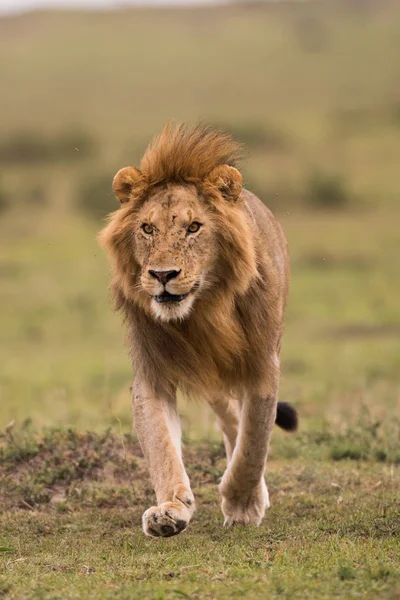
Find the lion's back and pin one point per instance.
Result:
(272, 244)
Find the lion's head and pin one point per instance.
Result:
(180, 235)
(174, 246)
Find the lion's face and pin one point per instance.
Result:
(174, 245)
(171, 242)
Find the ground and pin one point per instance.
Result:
(73, 503)
(314, 94)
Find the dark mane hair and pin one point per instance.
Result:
(187, 153)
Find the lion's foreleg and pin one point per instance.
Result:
(243, 489)
(159, 433)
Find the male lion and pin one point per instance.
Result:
(200, 269)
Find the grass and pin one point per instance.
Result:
(311, 90)
(74, 501)
(62, 356)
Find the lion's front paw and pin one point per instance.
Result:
(170, 518)
(244, 506)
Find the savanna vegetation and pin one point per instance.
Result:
(312, 90)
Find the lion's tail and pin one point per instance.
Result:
(286, 417)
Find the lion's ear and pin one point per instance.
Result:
(124, 182)
(228, 180)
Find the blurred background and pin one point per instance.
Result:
(312, 88)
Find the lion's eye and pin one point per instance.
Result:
(147, 228)
(193, 227)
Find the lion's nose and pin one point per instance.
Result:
(164, 276)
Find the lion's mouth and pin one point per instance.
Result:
(167, 297)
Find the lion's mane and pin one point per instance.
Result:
(224, 343)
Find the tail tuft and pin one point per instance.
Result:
(286, 417)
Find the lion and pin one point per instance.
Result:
(200, 269)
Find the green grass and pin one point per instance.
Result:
(311, 89)
(62, 356)
(72, 526)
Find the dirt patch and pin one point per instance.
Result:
(70, 470)
(63, 467)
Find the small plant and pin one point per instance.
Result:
(5, 588)
(326, 190)
(36, 196)
(346, 572)
(367, 439)
(4, 200)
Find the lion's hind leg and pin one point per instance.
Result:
(227, 412)
(243, 488)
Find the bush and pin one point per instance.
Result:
(95, 197)
(326, 190)
(27, 147)
(37, 196)
(73, 145)
(4, 199)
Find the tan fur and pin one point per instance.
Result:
(222, 342)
